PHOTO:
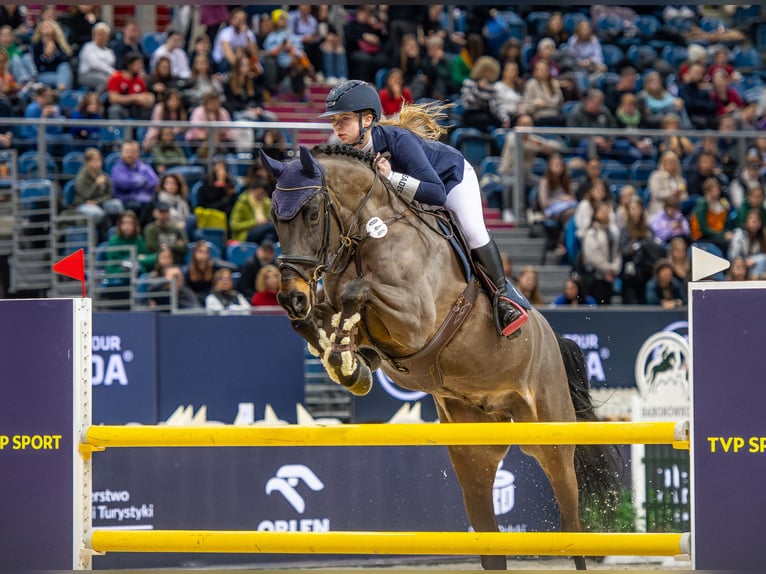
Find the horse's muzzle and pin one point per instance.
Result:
(296, 303)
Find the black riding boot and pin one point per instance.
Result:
(508, 317)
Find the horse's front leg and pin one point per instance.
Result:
(344, 361)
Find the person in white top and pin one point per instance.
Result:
(97, 59)
(233, 38)
(179, 60)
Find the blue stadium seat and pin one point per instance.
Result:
(609, 26)
(640, 172)
(215, 251)
(238, 164)
(380, 78)
(68, 193)
(151, 41)
(711, 24)
(72, 163)
(194, 193)
(213, 236)
(110, 160)
(746, 59)
(69, 100)
(191, 173)
(31, 190)
(238, 253)
(29, 163)
(648, 26)
(674, 55)
(642, 55)
(539, 165)
(473, 144)
(489, 165)
(571, 19)
(613, 55)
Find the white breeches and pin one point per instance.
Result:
(464, 202)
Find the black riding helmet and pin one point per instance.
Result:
(353, 96)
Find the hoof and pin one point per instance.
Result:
(360, 382)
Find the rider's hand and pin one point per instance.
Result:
(383, 165)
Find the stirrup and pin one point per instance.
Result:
(512, 329)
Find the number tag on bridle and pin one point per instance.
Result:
(376, 228)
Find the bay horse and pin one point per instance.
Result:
(389, 279)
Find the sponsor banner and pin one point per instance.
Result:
(300, 489)
(220, 362)
(124, 368)
(729, 433)
(610, 340)
(36, 448)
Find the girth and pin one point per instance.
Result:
(424, 366)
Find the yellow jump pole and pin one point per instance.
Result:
(391, 435)
(447, 543)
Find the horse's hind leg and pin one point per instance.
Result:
(475, 467)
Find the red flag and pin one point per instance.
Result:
(73, 265)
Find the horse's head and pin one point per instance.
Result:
(301, 214)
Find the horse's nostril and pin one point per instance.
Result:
(300, 302)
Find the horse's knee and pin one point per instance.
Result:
(355, 294)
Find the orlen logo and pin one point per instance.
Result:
(287, 479)
(503, 491)
(109, 360)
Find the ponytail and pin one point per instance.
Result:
(422, 119)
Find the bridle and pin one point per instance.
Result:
(310, 268)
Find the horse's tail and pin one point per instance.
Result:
(599, 468)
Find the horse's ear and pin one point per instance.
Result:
(274, 166)
(308, 163)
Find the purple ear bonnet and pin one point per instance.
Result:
(297, 183)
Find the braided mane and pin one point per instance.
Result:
(344, 150)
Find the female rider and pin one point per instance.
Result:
(426, 170)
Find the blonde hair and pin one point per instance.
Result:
(260, 278)
(421, 119)
(485, 67)
(58, 34)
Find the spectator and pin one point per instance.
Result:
(462, 63)
(546, 51)
(81, 23)
(533, 145)
(624, 197)
(594, 195)
(199, 274)
(334, 64)
(509, 88)
(695, 54)
(698, 98)
(593, 174)
(285, 57)
(184, 296)
(666, 181)
(42, 107)
(162, 231)
(210, 111)
(556, 196)
(51, 53)
(721, 57)
(680, 145)
(133, 180)
(266, 287)
(130, 41)
(739, 270)
(202, 82)
(223, 298)
(639, 251)
(97, 61)
(655, 102)
(555, 30)
(173, 191)
(410, 63)
(127, 93)
(93, 193)
(128, 233)
(232, 40)
(754, 199)
(749, 243)
(244, 93)
(663, 288)
(89, 108)
(171, 109)
(542, 96)
(394, 94)
(573, 295)
(626, 84)
(302, 25)
(436, 69)
(14, 16)
(591, 113)
(678, 254)
(483, 109)
(529, 285)
(709, 221)
(219, 190)
(274, 144)
(727, 100)
(265, 255)
(729, 148)
(20, 63)
(601, 255)
(704, 168)
(162, 79)
(629, 117)
(251, 215)
(167, 152)
(670, 222)
(211, 17)
(365, 40)
(173, 51)
(584, 47)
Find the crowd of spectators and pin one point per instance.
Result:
(521, 66)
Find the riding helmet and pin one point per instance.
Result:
(352, 96)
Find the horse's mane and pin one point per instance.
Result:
(344, 150)
(422, 119)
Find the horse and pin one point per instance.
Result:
(395, 296)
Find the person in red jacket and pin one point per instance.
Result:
(266, 287)
(394, 94)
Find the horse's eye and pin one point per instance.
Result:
(313, 215)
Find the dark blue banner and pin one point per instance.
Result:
(729, 441)
(36, 435)
(300, 489)
(124, 368)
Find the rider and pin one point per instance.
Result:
(426, 170)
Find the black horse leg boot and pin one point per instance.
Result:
(508, 317)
